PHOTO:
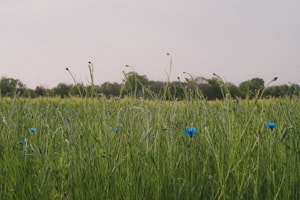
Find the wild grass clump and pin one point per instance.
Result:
(94, 148)
(138, 149)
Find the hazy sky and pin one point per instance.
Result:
(236, 39)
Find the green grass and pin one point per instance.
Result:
(75, 154)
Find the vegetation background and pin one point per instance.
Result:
(139, 85)
(169, 143)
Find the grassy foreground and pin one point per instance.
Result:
(135, 149)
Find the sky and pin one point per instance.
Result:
(236, 39)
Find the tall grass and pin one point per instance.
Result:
(136, 149)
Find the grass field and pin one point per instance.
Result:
(137, 149)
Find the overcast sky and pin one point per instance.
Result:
(236, 39)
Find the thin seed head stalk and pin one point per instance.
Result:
(190, 84)
(123, 83)
(166, 89)
(91, 69)
(170, 67)
(222, 86)
(75, 82)
(273, 80)
(216, 75)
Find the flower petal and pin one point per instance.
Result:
(32, 130)
(271, 125)
(190, 131)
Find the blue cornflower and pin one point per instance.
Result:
(271, 125)
(20, 142)
(190, 131)
(32, 130)
(116, 129)
(25, 147)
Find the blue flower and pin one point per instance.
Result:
(32, 130)
(20, 142)
(116, 129)
(271, 125)
(190, 131)
(25, 147)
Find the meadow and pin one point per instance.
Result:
(84, 148)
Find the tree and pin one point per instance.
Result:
(11, 87)
(234, 90)
(40, 91)
(251, 87)
(155, 89)
(78, 90)
(276, 91)
(294, 89)
(110, 89)
(135, 83)
(62, 90)
(212, 90)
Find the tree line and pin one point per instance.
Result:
(140, 86)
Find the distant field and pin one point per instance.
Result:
(135, 149)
